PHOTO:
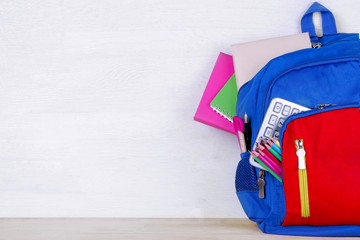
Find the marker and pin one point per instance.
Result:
(247, 131)
(264, 166)
(239, 129)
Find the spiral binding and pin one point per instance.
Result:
(222, 113)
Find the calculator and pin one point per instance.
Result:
(278, 110)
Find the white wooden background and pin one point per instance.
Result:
(97, 101)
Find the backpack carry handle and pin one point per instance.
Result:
(328, 21)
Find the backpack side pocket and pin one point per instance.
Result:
(247, 190)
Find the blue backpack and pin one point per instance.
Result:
(328, 73)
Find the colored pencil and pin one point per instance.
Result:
(277, 162)
(276, 169)
(269, 154)
(266, 167)
(277, 155)
(276, 142)
(274, 146)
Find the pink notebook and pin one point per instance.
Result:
(223, 70)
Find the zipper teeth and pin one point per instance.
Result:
(314, 63)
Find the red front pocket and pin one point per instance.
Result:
(321, 181)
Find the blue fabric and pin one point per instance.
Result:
(328, 21)
(327, 75)
(255, 209)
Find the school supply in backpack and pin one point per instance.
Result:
(268, 158)
(239, 129)
(220, 75)
(225, 101)
(248, 132)
(266, 165)
(250, 57)
(275, 141)
(278, 110)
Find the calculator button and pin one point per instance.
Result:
(268, 132)
(277, 107)
(286, 110)
(276, 134)
(294, 111)
(281, 122)
(272, 120)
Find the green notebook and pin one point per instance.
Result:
(225, 101)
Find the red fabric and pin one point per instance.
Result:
(332, 145)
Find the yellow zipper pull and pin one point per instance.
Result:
(303, 182)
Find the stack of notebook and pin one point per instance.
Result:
(223, 71)
(218, 103)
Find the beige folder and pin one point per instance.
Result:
(251, 57)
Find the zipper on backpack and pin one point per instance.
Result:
(303, 183)
(316, 45)
(322, 106)
(310, 64)
(261, 183)
(319, 108)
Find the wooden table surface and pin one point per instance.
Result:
(121, 228)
